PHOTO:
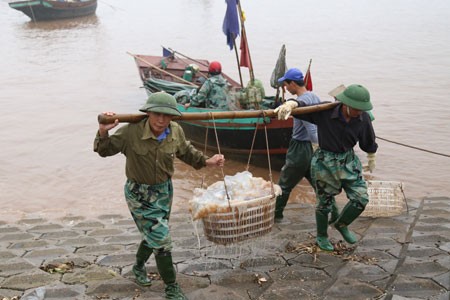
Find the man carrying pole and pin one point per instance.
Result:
(335, 166)
(150, 147)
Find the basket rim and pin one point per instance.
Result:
(386, 182)
(247, 202)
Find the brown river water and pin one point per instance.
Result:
(56, 77)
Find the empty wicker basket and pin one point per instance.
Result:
(240, 221)
(386, 199)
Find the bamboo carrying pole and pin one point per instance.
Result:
(240, 114)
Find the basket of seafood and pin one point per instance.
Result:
(236, 209)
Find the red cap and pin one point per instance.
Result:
(215, 67)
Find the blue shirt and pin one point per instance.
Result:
(303, 130)
(163, 135)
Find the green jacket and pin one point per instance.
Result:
(147, 160)
(212, 94)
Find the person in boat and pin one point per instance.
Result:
(335, 166)
(214, 92)
(150, 147)
(300, 150)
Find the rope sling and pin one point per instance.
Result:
(241, 221)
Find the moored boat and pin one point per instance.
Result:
(39, 10)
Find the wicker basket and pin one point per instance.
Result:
(240, 221)
(386, 199)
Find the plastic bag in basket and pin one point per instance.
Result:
(240, 187)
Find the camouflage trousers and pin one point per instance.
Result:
(150, 208)
(331, 172)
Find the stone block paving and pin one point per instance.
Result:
(401, 257)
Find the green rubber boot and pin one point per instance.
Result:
(348, 236)
(322, 232)
(334, 213)
(169, 276)
(173, 291)
(348, 215)
(140, 272)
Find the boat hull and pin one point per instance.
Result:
(242, 139)
(54, 10)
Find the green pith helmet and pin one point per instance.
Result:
(161, 102)
(356, 96)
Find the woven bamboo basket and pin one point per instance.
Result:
(240, 221)
(386, 199)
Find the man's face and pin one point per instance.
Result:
(290, 87)
(158, 122)
(353, 113)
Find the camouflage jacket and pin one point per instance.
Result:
(213, 93)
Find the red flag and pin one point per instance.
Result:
(245, 57)
(308, 81)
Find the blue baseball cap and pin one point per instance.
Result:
(292, 74)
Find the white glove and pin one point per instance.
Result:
(315, 146)
(371, 162)
(284, 110)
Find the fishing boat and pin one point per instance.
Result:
(253, 138)
(39, 10)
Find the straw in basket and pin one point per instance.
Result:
(386, 199)
(240, 221)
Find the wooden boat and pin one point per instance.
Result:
(39, 10)
(237, 137)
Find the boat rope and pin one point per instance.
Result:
(413, 147)
(112, 6)
(218, 151)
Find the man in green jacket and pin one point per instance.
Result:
(151, 147)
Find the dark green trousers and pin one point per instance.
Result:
(296, 167)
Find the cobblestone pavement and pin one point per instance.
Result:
(403, 257)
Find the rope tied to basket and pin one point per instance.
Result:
(268, 155)
(218, 151)
(263, 115)
(202, 184)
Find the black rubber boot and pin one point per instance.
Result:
(140, 272)
(280, 204)
(169, 276)
(348, 215)
(322, 232)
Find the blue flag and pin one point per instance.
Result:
(167, 52)
(231, 22)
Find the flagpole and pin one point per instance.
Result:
(237, 59)
(244, 33)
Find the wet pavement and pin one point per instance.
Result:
(401, 257)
